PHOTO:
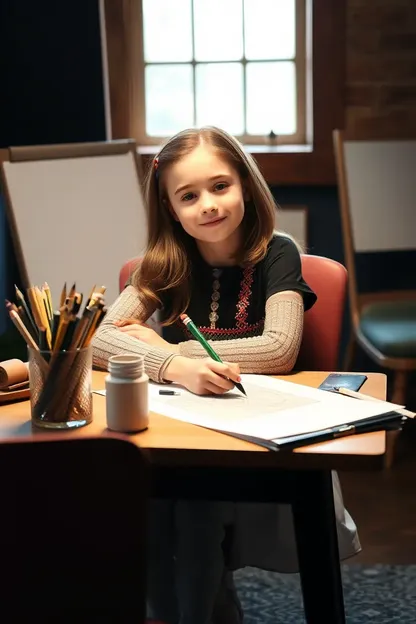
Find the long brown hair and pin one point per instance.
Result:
(166, 265)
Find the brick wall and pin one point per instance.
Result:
(381, 68)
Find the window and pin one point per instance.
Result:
(310, 158)
(237, 64)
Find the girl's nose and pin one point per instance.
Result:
(210, 210)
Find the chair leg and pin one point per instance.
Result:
(392, 437)
(392, 443)
(350, 353)
(399, 387)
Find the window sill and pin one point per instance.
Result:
(281, 165)
(152, 150)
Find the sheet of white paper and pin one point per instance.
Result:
(273, 408)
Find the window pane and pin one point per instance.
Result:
(269, 29)
(167, 30)
(271, 98)
(219, 96)
(218, 28)
(169, 99)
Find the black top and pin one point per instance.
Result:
(238, 295)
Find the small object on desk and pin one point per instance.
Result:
(127, 402)
(352, 381)
(365, 397)
(169, 392)
(14, 381)
(13, 373)
(60, 384)
(200, 338)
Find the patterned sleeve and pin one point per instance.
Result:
(272, 353)
(109, 340)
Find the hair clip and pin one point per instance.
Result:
(156, 163)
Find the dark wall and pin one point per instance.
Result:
(51, 76)
(51, 88)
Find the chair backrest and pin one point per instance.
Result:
(321, 341)
(323, 322)
(73, 527)
(376, 187)
(126, 271)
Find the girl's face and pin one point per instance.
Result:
(206, 196)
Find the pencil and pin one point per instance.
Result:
(20, 326)
(365, 397)
(47, 292)
(21, 296)
(63, 296)
(200, 338)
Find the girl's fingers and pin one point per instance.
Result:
(214, 389)
(130, 328)
(221, 382)
(128, 322)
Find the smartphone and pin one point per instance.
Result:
(343, 380)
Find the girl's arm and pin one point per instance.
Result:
(109, 340)
(275, 351)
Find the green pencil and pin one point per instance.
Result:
(200, 338)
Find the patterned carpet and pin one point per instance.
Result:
(381, 594)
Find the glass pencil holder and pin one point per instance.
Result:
(60, 388)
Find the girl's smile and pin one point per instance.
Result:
(213, 222)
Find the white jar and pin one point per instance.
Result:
(126, 385)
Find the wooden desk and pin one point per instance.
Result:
(190, 461)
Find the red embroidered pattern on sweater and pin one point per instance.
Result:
(244, 298)
(249, 331)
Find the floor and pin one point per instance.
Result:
(383, 505)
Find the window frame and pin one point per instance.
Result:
(309, 163)
(299, 60)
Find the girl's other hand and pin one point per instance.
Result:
(203, 376)
(146, 334)
(129, 321)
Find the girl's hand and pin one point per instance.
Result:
(145, 334)
(203, 376)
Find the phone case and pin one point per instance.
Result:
(343, 380)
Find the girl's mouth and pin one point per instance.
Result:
(214, 222)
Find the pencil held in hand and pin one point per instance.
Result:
(203, 342)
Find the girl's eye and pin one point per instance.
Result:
(188, 196)
(221, 186)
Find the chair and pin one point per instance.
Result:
(73, 528)
(126, 272)
(323, 322)
(383, 323)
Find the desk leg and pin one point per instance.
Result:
(317, 544)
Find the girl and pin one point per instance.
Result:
(212, 252)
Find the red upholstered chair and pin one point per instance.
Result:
(126, 271)
(323, 322)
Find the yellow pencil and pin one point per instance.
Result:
(43, 315)
(47, 290)
(34, 306)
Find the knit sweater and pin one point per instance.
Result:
(273, 352)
